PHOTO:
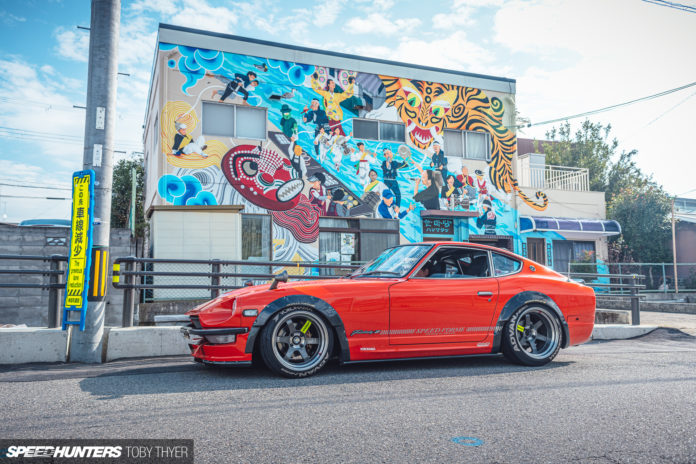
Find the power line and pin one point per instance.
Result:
(608, 108)
(677, 6)
(35, 186)
(37, 198)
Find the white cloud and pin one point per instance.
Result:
(454, 51)
(377, 23)
(325, 13)
(9, 18)
(73, 45)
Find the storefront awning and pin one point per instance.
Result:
(595, 227)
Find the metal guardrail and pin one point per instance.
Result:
(134, 274)
(659, 277)
(633, 286)
(54, 285)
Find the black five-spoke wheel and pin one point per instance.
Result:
(532, 336)
(296, 342)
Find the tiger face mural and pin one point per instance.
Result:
(427, 108)
(424, 107)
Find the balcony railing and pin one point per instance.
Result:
(555, 177)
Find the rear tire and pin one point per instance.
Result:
(532, 336)
(296, 342)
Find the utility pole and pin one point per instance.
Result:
(674, 252)
(100, 123)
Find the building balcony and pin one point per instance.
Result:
(549, 177)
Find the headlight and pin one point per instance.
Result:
(221, 339)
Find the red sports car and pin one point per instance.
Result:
(422, 300)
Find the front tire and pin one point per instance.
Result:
(532, 336)
(296, 342)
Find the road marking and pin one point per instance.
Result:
(468, 441)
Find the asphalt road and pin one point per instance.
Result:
(618, 401)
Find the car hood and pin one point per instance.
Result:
(319, 288)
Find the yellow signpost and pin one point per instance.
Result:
(80, 248)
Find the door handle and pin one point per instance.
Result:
(485, 293)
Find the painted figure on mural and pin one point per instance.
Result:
(389, 173)
(487, 219)
(296, 158)
(318, 117)
(364, 158)
(318, 195)
(322, 144)
(449, 193)
(240, 84)
(466, 183)
(439, 160)
(339, 146)
(432, 180)
(374, 184)
(481, 184)
(184, 143)
(333, 99)
(387, 209)
(287, 122)
(339, 206)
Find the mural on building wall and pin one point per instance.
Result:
(310, 163)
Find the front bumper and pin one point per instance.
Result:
(217, 353)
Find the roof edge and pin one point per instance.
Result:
(331, 53)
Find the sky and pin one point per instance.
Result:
(567, 56)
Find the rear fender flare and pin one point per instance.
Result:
(321, 306)
(525, 299)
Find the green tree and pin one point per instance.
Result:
(121, 195)
(591, 147)
(633, 198)
(645, 224)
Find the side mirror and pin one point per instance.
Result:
(282, 277)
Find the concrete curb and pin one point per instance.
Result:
(620, 331)
(138, 342)
(33, 345)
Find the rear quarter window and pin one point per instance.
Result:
(504, 265)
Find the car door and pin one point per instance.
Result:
(453, 305)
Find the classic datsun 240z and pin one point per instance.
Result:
(440, 299)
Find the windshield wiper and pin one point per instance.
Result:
(378, 272)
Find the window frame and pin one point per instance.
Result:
(235, 119)
(379, 135)
(427, 257)
(463, 137)
(270, 230)
(520, 262)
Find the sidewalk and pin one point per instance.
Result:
(684, 322)
(649, 321)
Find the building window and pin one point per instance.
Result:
(392, 132)
(371, 129)
(234, 121)
(467, 144)
(567, 251)
(256, 237)
(355, 239)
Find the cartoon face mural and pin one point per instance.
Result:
(312, 159)
(263, 177)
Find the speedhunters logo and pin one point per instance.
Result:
(120, 451)
(63, 452)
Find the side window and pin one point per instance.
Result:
(456, 263)
(504, 265)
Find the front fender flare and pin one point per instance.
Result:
(313, 302)
(523, 299)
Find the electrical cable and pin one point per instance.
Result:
(676, 6)
(608, 108)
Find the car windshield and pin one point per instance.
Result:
(393, 262)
